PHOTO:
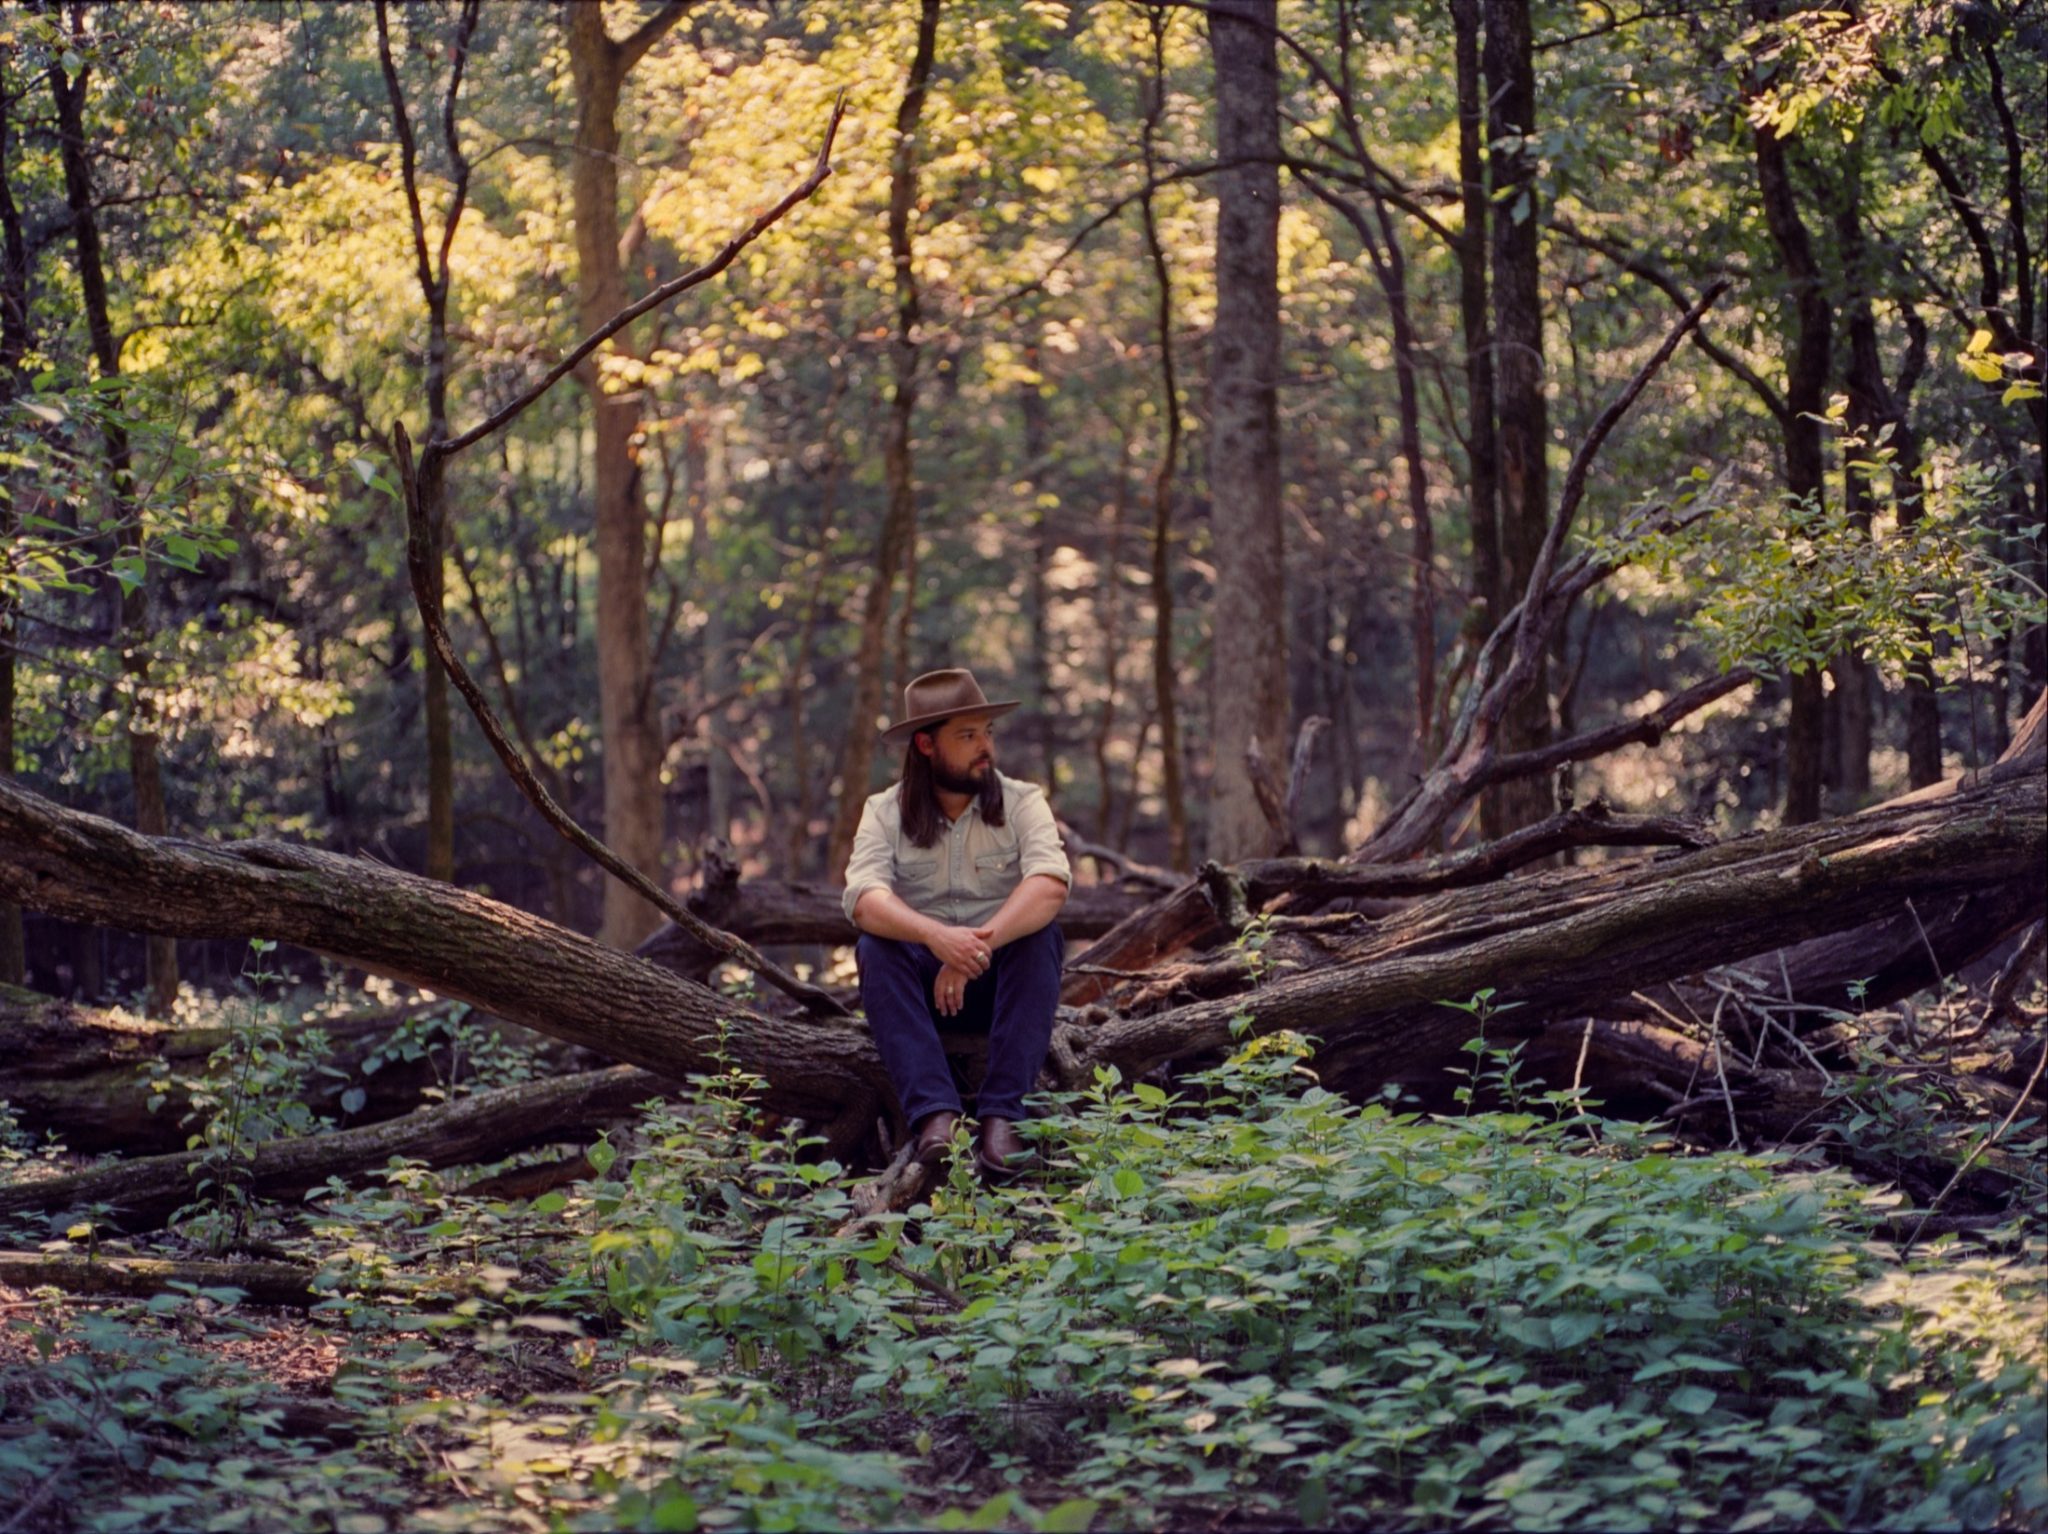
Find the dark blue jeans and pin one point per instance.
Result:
(1013, 1004)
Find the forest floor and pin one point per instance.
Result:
(1241, 1303)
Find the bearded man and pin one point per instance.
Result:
(956, 875)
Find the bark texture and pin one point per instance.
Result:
(1248, 623)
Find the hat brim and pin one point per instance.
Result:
(897, 734)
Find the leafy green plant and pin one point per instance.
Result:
(466, 1057)
(252, 1090)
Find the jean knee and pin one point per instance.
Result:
(879, 955)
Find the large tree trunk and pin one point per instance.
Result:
(633, 806)
(1524, 418)
(1248, 628)
(145, 1193)
(895, 549)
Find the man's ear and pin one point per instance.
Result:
(924, 742)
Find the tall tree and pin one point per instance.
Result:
(68, 90)
(633, 806)
(895, 548)
(1165, 674)
(436, 281)
(1806, 380)
(14, 344)
(1482, 474)
(1522, 413)
(1248, 631)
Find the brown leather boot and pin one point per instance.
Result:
(1001, 1156)
(935, 1138)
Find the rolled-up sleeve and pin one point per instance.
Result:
(870, 864)
(1038, 838)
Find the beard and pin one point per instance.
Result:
(968, 782)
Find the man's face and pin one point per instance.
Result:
(962, 753)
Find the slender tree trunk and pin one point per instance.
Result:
(1248, 630)
(14, 345)
(803, 797)
(633, 804)
(1391, 266)
(145, 771)
(1482, 455)
(1109, 602)
(1524, 420)
(1037, 453)
(709, 481)
(1164, 669)
(895, 549)
(1805, 389)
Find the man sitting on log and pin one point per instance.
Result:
(956, 875)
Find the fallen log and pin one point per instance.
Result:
(1557, 943)
(283, 1284)
(85, 1073)
(143, 1194)
(506, 961)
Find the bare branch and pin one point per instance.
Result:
(1535, 614)
(695, 277)
(1641, 266)
(629, 49)
(1646, 729)
(1331, 879)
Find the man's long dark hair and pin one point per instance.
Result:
(917, 795)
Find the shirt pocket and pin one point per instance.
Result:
(920, 876)
(995, 872)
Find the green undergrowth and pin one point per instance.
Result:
(1247, 1298)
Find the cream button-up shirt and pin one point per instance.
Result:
(965, 876)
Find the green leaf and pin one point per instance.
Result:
(550, 1203)
(1073, 1516)
(1693, 1400)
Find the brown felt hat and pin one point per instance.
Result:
(940, 695)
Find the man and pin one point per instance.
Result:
(956, 875)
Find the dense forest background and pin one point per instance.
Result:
(969, 404)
